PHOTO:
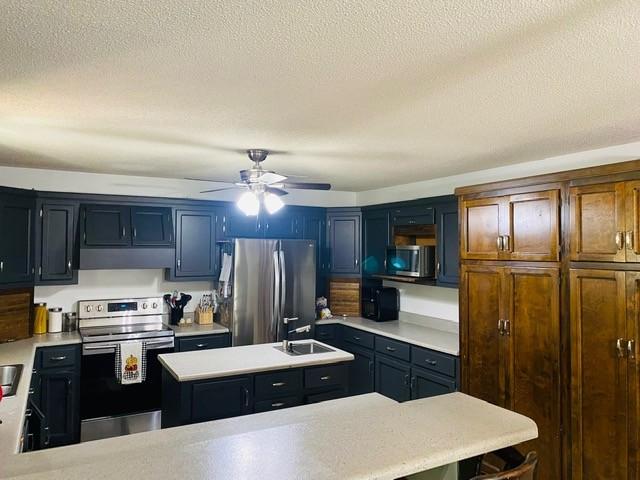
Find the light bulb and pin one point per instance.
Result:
(249, 203)
(272, 202)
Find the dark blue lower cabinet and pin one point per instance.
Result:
(428, 384)
(203, 342)
(393, 378)
(361, 371)
(221, 399)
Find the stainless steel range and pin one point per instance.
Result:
(109, 408)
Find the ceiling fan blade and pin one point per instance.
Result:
(269, 178)
(277, 191)
(305, 185)
(219, 189)
(207, 180)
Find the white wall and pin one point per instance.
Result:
(438, 302)
(446, 185)
(78, 182)
(106, 284)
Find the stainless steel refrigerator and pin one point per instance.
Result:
(272, 279)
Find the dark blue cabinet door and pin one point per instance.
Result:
(57, 242)
(221, 399)
(344, 243)
(60, 406)
(447, 241)
(375, 238)
(428, 384)
(314, 228)
(286, 223)
(16, 240)
(195, 243)
(393, 378)
(237, 224)
(203, 342)
(106, 225)
(152, 226)
(361, 371)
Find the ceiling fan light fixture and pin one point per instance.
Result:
(249, 203)
(272, 203)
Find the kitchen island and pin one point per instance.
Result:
(214, 384)
(362, 437)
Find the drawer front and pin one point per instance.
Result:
(435, 361)
(326, 333)
(202, 342)
(276, 404)
(55, 357)
(325, 376)
(393, 348)
(279, 384)
(358, 337)
(322, 397)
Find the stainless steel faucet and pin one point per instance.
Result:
(286, 346)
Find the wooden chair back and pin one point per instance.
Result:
(524, 471)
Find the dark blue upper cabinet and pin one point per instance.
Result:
(152, 226)
(447, 242)
(287, 223)
(106, 226)
(314, 228)
(237, 224)
(16, 241)
(343, 232)
(375, 238)
(195, 243)
(56, 245)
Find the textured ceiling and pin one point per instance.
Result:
(363, 94)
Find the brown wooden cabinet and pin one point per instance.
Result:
(523, 227)
(511, 348)
(604, 374)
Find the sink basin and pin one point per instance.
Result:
(308, 348)
(9, 379)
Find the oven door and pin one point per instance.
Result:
(103, 396)
(405, 260)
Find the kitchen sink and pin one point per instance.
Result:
(307, 348)
(9, 379)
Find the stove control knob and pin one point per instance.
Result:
(155, 305)
(144, 306)
(99, 308)
(89, 308)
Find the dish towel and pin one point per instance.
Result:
(131, 362)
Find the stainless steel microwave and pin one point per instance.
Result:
(411, 261)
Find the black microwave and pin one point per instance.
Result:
(380, 303)
(411, 261)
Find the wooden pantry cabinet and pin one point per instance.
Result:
(524, 226)
(510, 335)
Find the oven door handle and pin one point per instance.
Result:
(111, 347)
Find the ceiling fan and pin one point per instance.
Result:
(263, 186)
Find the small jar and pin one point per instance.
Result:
(70, 322)
(55, 320)
(40, 318)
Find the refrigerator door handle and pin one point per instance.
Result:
(276, 294)
(283, 287)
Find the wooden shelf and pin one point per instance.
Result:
(400, 278)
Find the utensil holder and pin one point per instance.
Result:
(175, 315)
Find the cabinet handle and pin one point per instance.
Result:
(505, 243)
(619, 240)
(178, 264)
(47, 437)
(499, 243)
(356, 338)
(201, 345)
(500, 327)
(431, 362)
(631, 349)
(123, 232)
(1, 266)
(135, 232)
(619, 347)
(325, 378)
(629, 240)
(507, 327)
(370, 367)
(391, 349)
(28, 412)
(69, 266)
(277, 404)
(278, 384)
(413, 383)
(357, 262)
(245, 392)
(438, 268)
(407, 380)
(58, 359)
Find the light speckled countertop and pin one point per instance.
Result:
(225, 362)
(12, 408)
(362, 437)
(420, 335)
(197, 329)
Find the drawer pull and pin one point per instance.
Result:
(277, 404)
(278, 384)
(325, 378)
(431, 362)
(201, 345)
(58, 359)
(356, 338)
(391, 349)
